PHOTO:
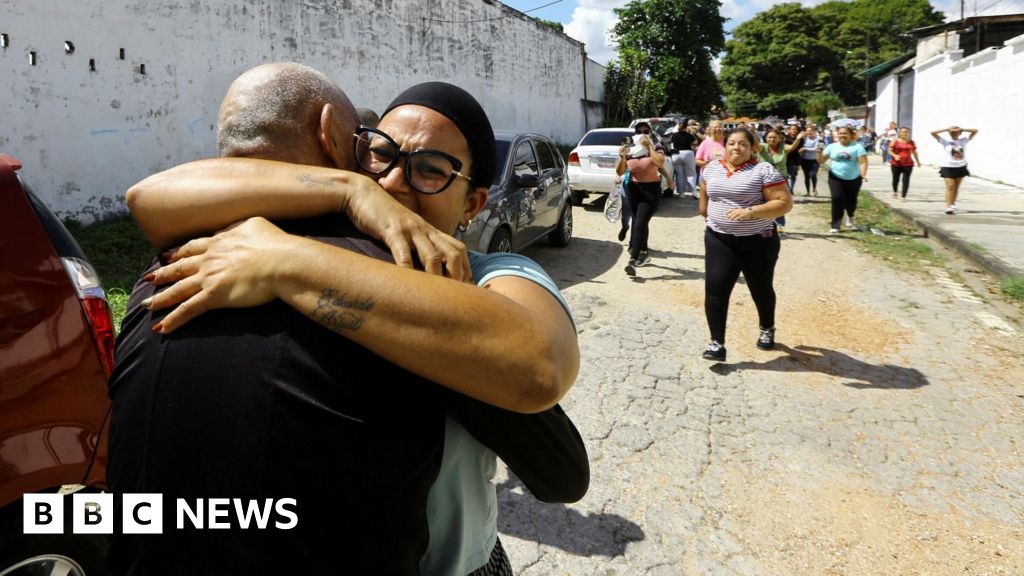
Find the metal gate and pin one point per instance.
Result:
(905, 106)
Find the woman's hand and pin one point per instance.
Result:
(233, 269)
(377, 214)
(741, 214)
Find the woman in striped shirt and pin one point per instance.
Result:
(739, 198)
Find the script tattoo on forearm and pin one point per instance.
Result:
(311, 182)
(339, 312)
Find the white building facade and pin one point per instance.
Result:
(941, 87)
(99, 94)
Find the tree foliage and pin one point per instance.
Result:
(665, 52)
(552, 24)
(787, 56)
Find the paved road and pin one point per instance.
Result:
(882, 438)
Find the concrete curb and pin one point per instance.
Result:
(987, 262)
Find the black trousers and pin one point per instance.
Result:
(810, 168)
(792, 170)
(644, 198)
(844, 197)
(725, 257)
(897, 173)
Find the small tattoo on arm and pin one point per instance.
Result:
(339, 312)
(312, 182)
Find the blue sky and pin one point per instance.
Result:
(587, 20)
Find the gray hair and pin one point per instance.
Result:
(272, 105)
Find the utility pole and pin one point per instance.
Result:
(867, 78)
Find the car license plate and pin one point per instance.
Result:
(603, 162)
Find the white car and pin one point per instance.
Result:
(592, 162)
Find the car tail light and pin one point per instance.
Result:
(94, 304)
(574, 159)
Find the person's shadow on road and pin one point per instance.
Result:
(815, 359)
(556, 525)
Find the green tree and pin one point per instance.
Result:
(773, 62)
(787, 56)
(671, 44)
(628, 91)
(873, 32)
(818, 104)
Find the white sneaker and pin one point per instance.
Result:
(950, 209)
(850, 223)
(834, 231)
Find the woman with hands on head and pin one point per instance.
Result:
(954, 162)
(739, 198)
(644, 162)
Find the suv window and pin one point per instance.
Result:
(546, 156)
(525, 162)
(611, 138)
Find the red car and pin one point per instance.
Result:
(56, 352)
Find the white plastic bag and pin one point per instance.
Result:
(613, 206)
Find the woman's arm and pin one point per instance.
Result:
(973, 131)
(703, 206)
(620, 166)
(777, 201)
(544, 450)
(798, 143)
(657, 157)
(862, 160)
(822, 156)
(509, 343)
(204, 196)
(916, 158)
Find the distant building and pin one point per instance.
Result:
(968, 72)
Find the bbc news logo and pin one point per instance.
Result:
(144, 514)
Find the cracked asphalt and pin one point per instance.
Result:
(882, 437)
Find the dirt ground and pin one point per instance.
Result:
(892, 442)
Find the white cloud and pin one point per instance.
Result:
(590, 24)
(592, 19)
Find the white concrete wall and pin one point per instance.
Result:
(983, 91)
(84, 136)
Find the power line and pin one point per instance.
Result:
(489, 19)
(551, 4)
(989, 8)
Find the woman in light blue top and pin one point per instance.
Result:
(849, 168)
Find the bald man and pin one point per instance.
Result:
(262, 403)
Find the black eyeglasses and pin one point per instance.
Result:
(427, 171)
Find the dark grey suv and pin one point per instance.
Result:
(529, 199)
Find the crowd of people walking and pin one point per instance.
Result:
(746, 176)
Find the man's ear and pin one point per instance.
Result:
(475, 201)
(335, 142)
